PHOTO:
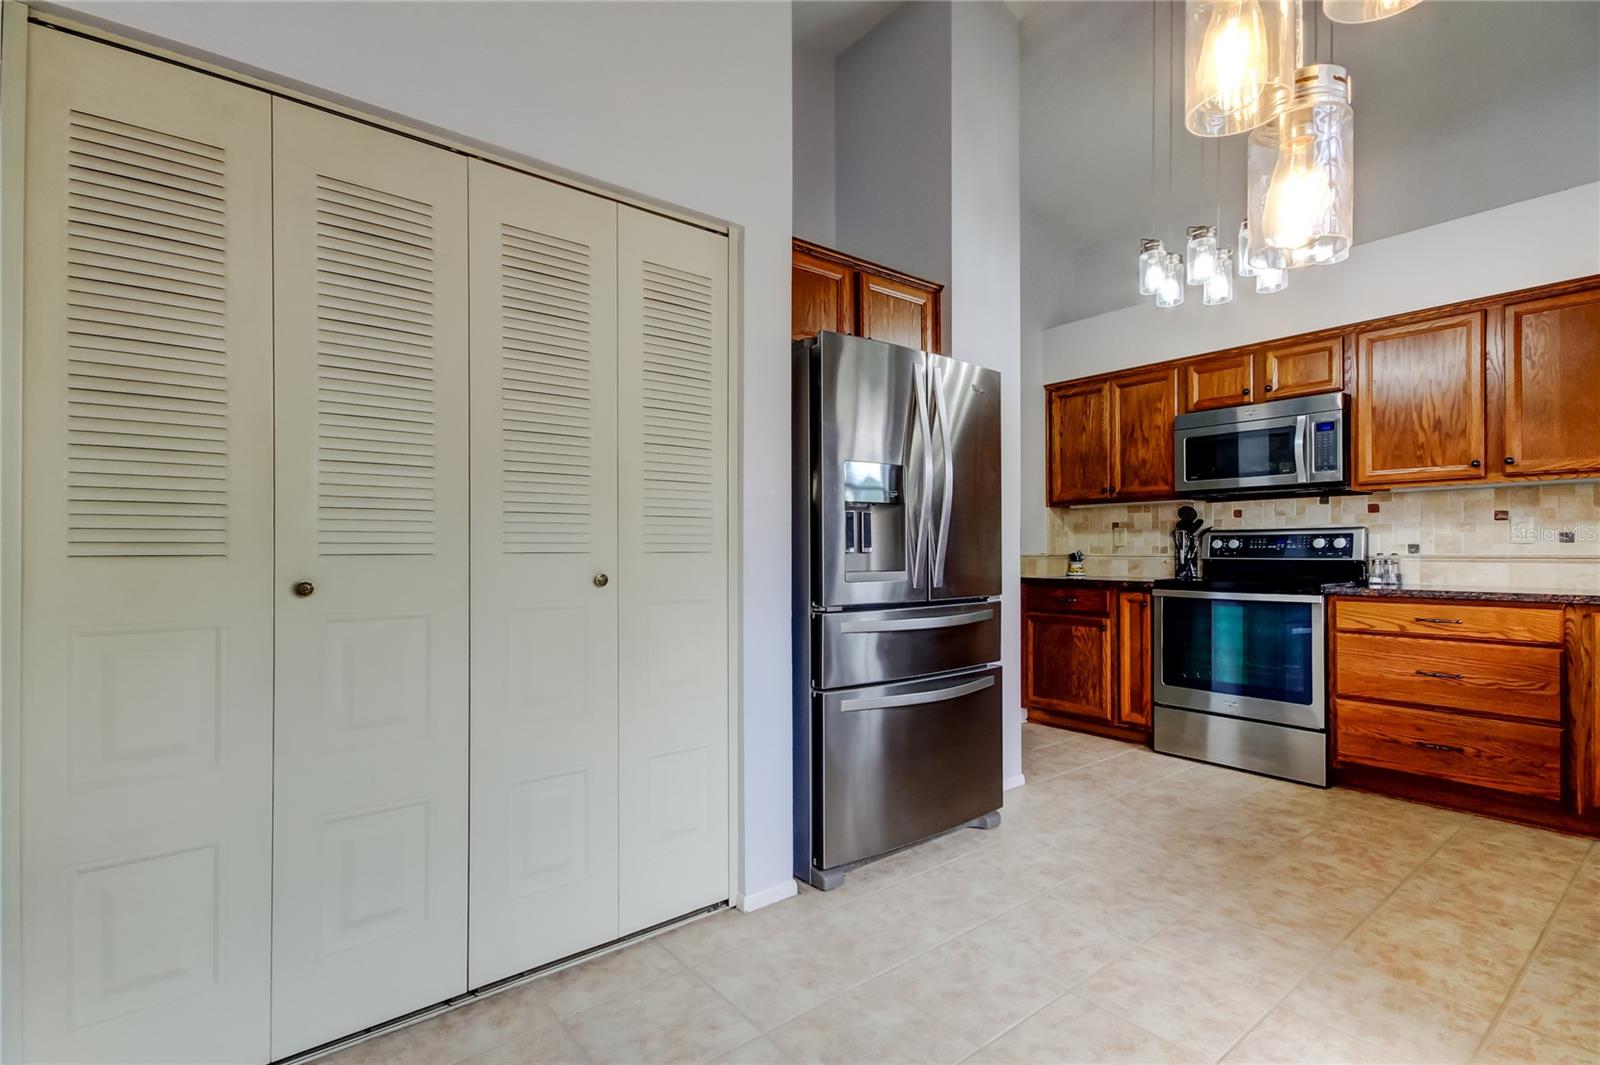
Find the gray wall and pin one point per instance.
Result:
(813, 145)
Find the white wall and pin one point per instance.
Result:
(689, 103)
(1549, 238)
(986, 278)
(813, 145)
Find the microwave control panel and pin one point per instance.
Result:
(1314, 543)
(1325, 446)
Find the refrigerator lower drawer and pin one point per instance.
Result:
(901, 762)
(875, 646)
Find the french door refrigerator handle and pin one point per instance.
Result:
(888, 702)
(920, 519)
(941, 551)
(946, 621)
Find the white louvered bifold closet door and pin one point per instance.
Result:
(370, 806)
(673, 598)
(146, 739)
(544, 528)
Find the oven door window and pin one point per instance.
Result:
(1241, 453)
(1255, 649)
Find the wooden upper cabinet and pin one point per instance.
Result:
(898, 313)
(1078, 430)
(1143, 406)
(1225, 380)
(1552, 385)
(1420, 402)
(822, 295)
(1301, 369)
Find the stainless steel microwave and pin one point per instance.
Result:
(1282, 447)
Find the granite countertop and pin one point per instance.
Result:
(1140, 582)
(1469, 592)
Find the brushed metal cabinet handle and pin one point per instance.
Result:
(1438, 621)
(601, 580)
(1440, 747)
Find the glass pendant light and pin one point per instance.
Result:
(1152, 265)
(1218, 288)
(1202, 254)
(1241, 255)
(1352, 12)
(1301, 212)
(1171, 292)
(1238, 63)
(1269, 280)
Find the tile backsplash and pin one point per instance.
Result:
(1530, 536)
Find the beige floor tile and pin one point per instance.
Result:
(1047, 937)
(1284, 1037)
(1394, 1017)
(1177, 1002)
(721, 932)
(1510, 1044)
(677, 1019)
(552, 1045)
(1574, 957)
(1236, 955)
(1128, 904)
(1554, 1006)
(610, 976)
(972, 990)
(1579, 912)
(1480, 974)
(759, 1051)
(871, 1025)
(450, 1037)
(1073, 1030)
(1374, 856)
(1288, 915)
(1035, 736)
(1042, 762)
(1435, 911)
(1522, 839)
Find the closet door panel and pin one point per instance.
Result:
(544, 528)
(672, 409)
(147, 566)
(370, 808)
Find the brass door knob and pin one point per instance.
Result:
(601, 580)
(304, 588)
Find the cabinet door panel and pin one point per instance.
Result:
(370, 721)
(672, 568)
(1078, 436)
(544, 505)
(1553, 385)
(146, 720)
(822, 295)
(898, 313)
(1069, 664)
(1302, 369)
(1135, 693)
(1218, 381)
(1420, 402)
(1142, 411)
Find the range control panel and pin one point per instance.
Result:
(1287, 543)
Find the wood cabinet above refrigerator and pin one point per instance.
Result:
(830, 290)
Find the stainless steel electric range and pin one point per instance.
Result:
(1240, 669)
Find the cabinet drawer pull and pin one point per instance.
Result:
(1436, 673)
(1424, 744)
(1438, 621)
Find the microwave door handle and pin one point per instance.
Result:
(1302, 448)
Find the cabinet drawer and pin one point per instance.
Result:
(1508, 756)
(1511, 623)
(1492, 678)
(1057, 599)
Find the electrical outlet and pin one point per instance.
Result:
(1413, 549)
(1119, 537)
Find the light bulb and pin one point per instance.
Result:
(1202, 254)
(1269, 280)
(1357, 11)
(1170, 294)
(1296, 200)
(1219, 286)
(1233, 56)
(1152, 265)
(1238, 63)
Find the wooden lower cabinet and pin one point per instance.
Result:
(1086, 656)
(1483, 707)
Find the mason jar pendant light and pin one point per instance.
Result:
(1241, 255)
(1238, 63)
(1171, 292)
(1269, 280)
(1219, 286)
(1202, 254)
(1301, 210)
(1152, 265)
(1352, 12)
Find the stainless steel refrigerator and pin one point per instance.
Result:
(897, 615)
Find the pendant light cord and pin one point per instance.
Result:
(1153, 117)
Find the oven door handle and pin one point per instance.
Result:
(1270, 597)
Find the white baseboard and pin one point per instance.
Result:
(755, 900)
(1013, 782)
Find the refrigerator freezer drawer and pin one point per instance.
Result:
(876, 646)
(901, 762)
